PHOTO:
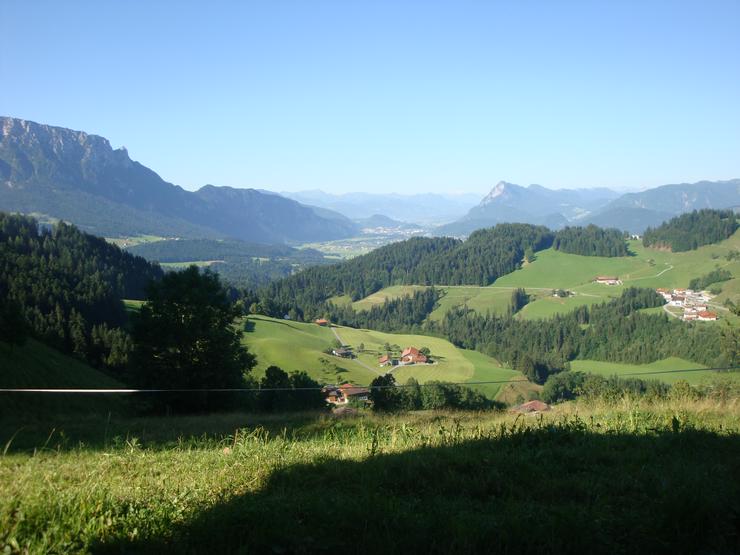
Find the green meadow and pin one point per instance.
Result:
(663, 370)
(557, 270)
(300, 346)
(34, 365)
(629, 477)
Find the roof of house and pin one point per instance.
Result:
(384, 358)
(662, 290)
(349, 389)
(322, 321)
(707, 314)
(410, 351)
(607, 278)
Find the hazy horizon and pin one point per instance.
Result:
(389, 97)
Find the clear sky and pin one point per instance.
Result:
(388, 96)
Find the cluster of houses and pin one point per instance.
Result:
(694, 303)
(410, 355)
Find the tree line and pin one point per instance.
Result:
(692, 230)
(715, 276)
(65, 287)
(591, 241)
(485, 256)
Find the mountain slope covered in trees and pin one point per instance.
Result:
(68, 287)
(691, 231)
(483, 257)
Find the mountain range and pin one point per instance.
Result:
(424, 208)
(57, 173)
(64, 174)
(633, 212)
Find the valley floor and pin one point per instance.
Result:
(607, 478)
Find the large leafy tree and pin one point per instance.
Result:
(185, 337)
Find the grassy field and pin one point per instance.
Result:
(126, 242)
(183, 265)
(557, 270)
(299, 346)
(624, 478)
(34, 365)
(662, 370)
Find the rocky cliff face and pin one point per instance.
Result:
(80, 178)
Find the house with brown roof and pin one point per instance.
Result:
(345, 393)
(411, 355)
(706, 316)
(387, 360)
(321, 322)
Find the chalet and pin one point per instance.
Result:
(342, 352)
(345, 393)
(411, 355)
(321, 322)
(665, 293)
(677, 300)
(387, 360)
(608, 280)
(706, 316)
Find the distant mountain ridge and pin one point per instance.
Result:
(535, 204)
(632, 212)
(422, 208)
(78, 177)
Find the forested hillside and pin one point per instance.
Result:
(591, 241)
(67, 287)
(239, 263)
(692, 230)
(613, 331)
(486, 255)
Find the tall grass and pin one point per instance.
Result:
(609, 477)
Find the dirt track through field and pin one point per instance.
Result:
(357, 360)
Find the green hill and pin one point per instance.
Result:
(552, 269)
(34, 365)
(300, 346)
(664, 370)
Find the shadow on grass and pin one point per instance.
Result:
(550, 490)
(100, 432)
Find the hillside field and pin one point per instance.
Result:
(553, 269)
(34, 365)
(300, 346)
(662, 370)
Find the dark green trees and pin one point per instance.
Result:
(282, 392)
(185, 338)
(68, 285)
(692, 230)
(591, 241)
(519, 300)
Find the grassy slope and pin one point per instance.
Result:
(386, 483)
(555, 269)
(34, 365)
(299, 346)
(658, 370)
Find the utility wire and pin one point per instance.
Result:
(256, 390)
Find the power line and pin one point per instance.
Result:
(257, 390)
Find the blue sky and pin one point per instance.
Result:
(388, 96)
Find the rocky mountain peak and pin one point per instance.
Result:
(500, 189)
